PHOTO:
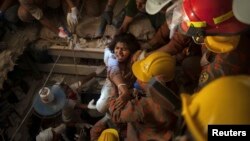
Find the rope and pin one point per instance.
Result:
(75, 64)
(29, 111)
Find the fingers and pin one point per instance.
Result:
(119, 103)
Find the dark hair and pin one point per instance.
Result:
(127, 38)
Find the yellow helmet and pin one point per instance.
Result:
(157, 63)
(109, 135)
(223, 101)
(222, 44)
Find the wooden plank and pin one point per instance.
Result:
(67, 68)
(93, 53)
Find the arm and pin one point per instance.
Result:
(123, 91)
(177, 44)
(161, 37)
(133, 111)
(131, 11)
(116, 77)
(37, 13)
(113, 69)
(125, 24)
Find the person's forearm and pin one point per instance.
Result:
(129, 113)
(116, 78)
(125, 24)
(176, 45)
(161, 37)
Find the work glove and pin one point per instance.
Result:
(108, 14)
(72, 18)
(62, 32)
(91, 105)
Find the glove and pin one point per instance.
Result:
(62, 33)
(72, 17)
(108, 14)
(91, 105)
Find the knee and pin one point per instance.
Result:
(24, 15)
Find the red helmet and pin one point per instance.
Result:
(210, 17)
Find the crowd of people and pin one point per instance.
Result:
(207, 39)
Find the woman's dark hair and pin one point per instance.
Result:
(127, 38)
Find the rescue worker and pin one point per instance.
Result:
(31, 9)
(223, 38)
(145, 119)
(181, 46)
(212, 105)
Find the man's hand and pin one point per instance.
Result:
(122, 100)
(108, 14)
(72, 19)
(124, 97)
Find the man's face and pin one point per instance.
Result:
(140, 4)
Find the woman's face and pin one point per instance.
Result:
(121, 51)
